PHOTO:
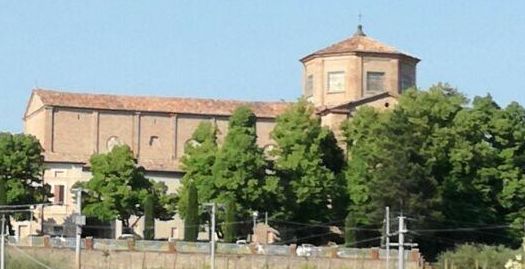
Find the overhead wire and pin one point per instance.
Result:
(30, 257)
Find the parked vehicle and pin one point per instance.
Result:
(304, 250)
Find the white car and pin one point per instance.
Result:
(304, 250)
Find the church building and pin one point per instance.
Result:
(72, 126)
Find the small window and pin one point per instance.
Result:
(59, 173)
(336, 81)
(154, 141)
(309, 86)
(406, 82)
(375, 83)
(58, 194)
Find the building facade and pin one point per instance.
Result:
(73, 126)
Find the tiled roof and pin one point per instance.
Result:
(156, 104)
(359, 42)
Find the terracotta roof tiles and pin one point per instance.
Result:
(359, 42)
(156, 104)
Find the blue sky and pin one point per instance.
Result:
(244, 49)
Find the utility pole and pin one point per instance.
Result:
(2, 250)
(32, 207)
(255, 214)
(387, 234)
(212, 237)
(402, 230)
(401, 243)
(79, 221)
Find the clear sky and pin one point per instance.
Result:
(245, 50)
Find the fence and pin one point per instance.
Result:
(204, 248)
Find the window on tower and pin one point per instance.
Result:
(375, 83)
(336, 81)
(406, 82)
(309, 86)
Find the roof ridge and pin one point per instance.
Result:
(55, 91)
(156, 104)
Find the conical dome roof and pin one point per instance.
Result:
(359, 42)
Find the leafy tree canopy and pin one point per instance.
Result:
(307, 163)
(118, 189)
(240, 168)
(197, 163)
(441, 160)
(21, 171)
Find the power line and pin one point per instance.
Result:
(30, 257)
(325, 225)
(465, 229)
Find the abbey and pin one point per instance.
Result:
(72, 126)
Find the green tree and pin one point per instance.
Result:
(230, 223)
(441, 160)
(191, 220)
(149, 217)
(21, 171)
(240, 168)
(399, 158)
(197, 163)
(307, 163)
(118, 188)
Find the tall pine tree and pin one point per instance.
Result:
(191, 220)
(230, 223)
(149, 217)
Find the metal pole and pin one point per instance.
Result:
(213, 235)
(266, 217)
(31, 227)
(255, 214)
(401, 247)
(2, 246)
(79, 228)
(387, 232)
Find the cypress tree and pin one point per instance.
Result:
(149, 218)
(191, 222)
(3, 194)
(349, 232)
(230, 227)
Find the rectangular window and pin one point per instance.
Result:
(406, 82)
(375, 83)
(336, 81)
(309, 86)
(58, 194)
